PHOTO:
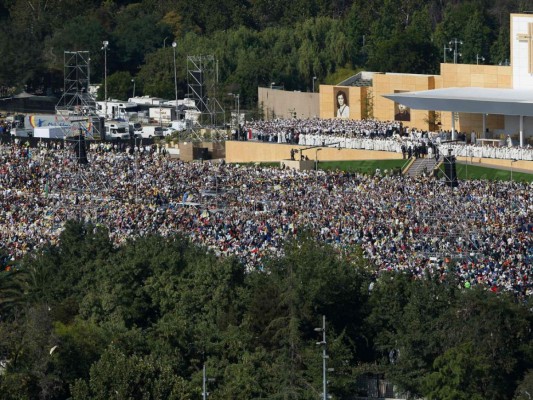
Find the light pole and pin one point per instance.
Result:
(314, 79)
(236, 105)
(133, 81)
(205, 393)
(455, 42)
(237, 97)
(512, 162)
(478, 57)
(446, 48)
(325, 356)
(174, 44)
(316, 159)
(105, 44)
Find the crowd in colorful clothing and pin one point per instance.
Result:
(481, 231)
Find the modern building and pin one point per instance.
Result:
(491, 101)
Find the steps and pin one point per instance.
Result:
(421, 165)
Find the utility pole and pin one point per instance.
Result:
(205, 393)
(455, 42)
(174, 45)
(105, 44)
(325, 356)
(446, 48)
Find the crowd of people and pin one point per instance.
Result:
(481, 231)
(377, 135)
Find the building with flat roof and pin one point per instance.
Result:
(491, 100)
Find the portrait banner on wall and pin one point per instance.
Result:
(341, 102)
(401, 112)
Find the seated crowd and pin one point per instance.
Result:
(481, 231)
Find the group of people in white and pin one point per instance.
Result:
(480, 232)
(372, 134)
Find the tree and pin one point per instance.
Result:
(138, 32)
(476, 39)
(117, 375)
(404, 52)
(461, 373)
(118, 86)
(11, 291)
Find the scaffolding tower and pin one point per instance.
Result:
(77, 107)
(202, 84)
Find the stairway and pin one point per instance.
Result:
(421, 165)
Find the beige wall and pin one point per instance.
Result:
(486, 76)
(390, 83)
(246, 152)
(521, 165)
(468, 75)
(283, 104)
(452, 75)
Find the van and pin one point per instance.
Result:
(149, 132)
(116, 130)
(135, 129)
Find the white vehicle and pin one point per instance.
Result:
(117, 130)
(168, 131)
(149, 132)
(115, 109)
(181, 125)
(135, 128)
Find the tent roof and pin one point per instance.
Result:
(469, 100)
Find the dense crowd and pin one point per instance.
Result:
(480, 231)
(377, 135)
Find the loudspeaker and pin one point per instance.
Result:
(450, 171)
(200, 153)
(80, 149)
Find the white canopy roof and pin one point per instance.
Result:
(473, 100)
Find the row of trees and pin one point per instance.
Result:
(85, 320)
(255, 41)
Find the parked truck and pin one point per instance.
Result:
(149, 132)
(117, 130)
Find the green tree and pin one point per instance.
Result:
(119, 86)
(476, 39)
(118, 376)
(461, 373)
(138, 32)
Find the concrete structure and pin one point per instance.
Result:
(277, 103)
(249, 151)
(373, 100)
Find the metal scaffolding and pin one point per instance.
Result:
(77, 107)
(202, 85)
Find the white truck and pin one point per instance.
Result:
(135, 128)
(149, 132)
(117, 130)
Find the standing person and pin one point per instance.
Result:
(343, 110)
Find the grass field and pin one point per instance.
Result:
(467, 171)
(365, 166)
(464, 171)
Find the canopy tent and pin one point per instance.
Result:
(474, 100)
